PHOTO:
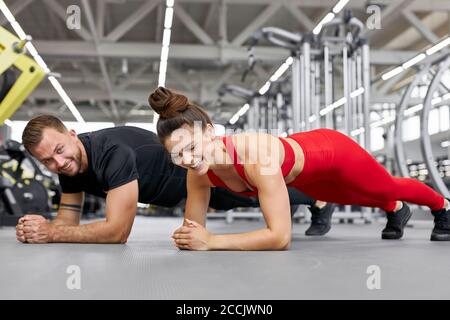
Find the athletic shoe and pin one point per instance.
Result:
(320, 220)
(441, 230)
(396, 222)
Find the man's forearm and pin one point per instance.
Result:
(97, 232)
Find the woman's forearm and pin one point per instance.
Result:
(263, 239)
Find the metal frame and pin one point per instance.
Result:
(425, 141)
(399, 151)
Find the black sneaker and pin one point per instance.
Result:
(396, 222)
(320, 220)
(441, 230)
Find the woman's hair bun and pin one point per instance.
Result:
(167, 103)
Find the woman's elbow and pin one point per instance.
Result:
(282, 241)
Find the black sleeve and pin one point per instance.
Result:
(69, 184)
(117, 166)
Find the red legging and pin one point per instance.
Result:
(338, 170)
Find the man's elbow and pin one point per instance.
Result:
(124, 236)
(120, 236)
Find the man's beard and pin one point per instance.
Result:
(76, 162)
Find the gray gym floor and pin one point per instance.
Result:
(149, 267)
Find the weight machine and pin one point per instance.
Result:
(330, 80)
(328, 71)
(19, 74)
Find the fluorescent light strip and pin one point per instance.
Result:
(33, 52)
(382, 122)
(436, 100)
(166, 37)
(437, 47)
(31, 49)
(9, 16)
(234, 119)
(164, 53)
(280, 71)
(277, 74)
(243, 110)
(414, 109)
(414, 61)
(41, 62)
(392, 73)
(326, 19)
(240, 113)
(408, 112)
(168, 18)
(18, 29)
(357, 92)
(339, 6)
(357, 132)
(264, 88)
(445, 144)
(341, 101)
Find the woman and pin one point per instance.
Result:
(324, 164)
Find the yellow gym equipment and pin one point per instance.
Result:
(14, 61)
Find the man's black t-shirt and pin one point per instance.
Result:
(120, 155)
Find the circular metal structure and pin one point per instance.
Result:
(399, 149)
(425, 140)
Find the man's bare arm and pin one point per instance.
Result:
(121, 204)
(69, 212)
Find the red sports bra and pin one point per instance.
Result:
(286, 167)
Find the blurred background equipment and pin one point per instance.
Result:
(24, 187)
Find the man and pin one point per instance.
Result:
(125, 165)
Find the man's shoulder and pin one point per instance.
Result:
(127, 137)
(117, 134)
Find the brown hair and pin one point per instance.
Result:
(32, 134)
(175, 110)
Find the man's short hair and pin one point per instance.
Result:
(32, 134)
